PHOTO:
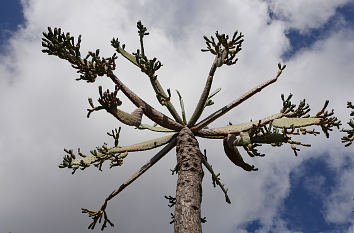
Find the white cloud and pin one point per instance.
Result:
(351, 229)
(304, 15)
(43, 110)
(339, 204)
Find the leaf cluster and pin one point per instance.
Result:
(224, 48)
(98, 156)
(349, 138)
(63, 45)
(97, 217)
(328, 120)
(289, 108)
(147, 66)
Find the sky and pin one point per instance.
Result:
(43, 111)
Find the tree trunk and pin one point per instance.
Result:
(187, 218)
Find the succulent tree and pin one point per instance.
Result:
(275, 130)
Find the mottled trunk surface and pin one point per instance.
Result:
(189, 184)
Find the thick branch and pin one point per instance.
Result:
(132, 119)
(221, 132)
(272, 138)
(276, 132)
(110, 103)
(154, 82)
(104, 153)
(236, 102)
(149, 111)
(296, 122)
(287, 123)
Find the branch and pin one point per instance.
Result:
(221, 132)
(102, 154)
(121, 49)
(203, 98)
(149, 111)
(148, 67)
(98, 215)
(350, 132)
(290, 116)
(225, 53)
(62, 45)
(287, 126)
(269, 134)
(182, 107)
(276, 129)
(236, 102)
(155, 128)
(215, 177)
(209, 101)
(296, 122)
(279, 130)
(326, 119)
(110, 102)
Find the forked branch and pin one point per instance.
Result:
(149, 67)
(110, 102)
(236, 102)
(96, 216)
(149, 111)
(225, 53)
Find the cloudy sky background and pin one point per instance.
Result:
(43, 110)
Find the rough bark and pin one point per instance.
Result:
(189, 184)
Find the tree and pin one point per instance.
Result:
(275, 130)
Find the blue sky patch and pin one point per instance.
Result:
(343, 18)
(303, 208)
(11, 16)
(253, 226)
